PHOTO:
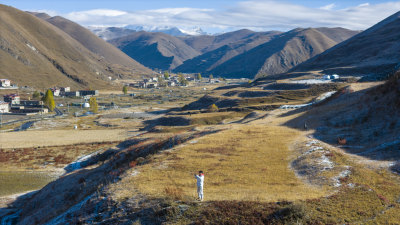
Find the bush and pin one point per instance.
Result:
(292, 214)
(174, 192)
(213, 108)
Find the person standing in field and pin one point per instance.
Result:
(200, 184)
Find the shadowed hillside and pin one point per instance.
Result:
(231, 46)
(207, 43)
(365, 116)
(282, 53)
(374, 52)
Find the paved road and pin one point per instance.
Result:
(25, 126)
(31, 120)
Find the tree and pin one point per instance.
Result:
(48, 100)
(211, 76)
(182, 80)
(161, 82)
(213, 108)
(198, 76)
(125, 89)
(166, 75)
(94, 107)
(36, 95)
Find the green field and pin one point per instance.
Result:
(18, 182)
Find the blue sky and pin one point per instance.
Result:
(218, 15)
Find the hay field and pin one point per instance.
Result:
(246, 162)
(27, 139)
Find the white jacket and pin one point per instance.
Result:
(200, 180)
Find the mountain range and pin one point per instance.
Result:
(36, 53)
(155, 50)
(242, 53)
(108, 33)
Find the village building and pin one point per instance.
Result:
(71, 94)
(5, 83)
(171, 83)
(56, 91)
(63, 90)
(151, 84)
(88, 92)
(4, 107)
(334, 77)
(13, 99)
(26, 107)
(31, 103)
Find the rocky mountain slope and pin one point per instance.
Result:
(373, 53)
(35, 53)
(94, 43)
(207, 43)
(281, 53)
(155, 50)
(219, 49)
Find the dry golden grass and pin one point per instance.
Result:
(246, 162)
(27, 139)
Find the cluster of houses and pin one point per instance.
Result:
(13, 104)
(154, 82)
(66, 91)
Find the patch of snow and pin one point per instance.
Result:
(134, 173)
(325, 96)
(76, 165)
(351, 185)
(342, 174)
(319, 99)
(313, 149)
(32, 47)
(326, 163)
(313, 142)
(194, 142)
(310, 81)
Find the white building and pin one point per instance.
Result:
(5, 83)
(56, 91)
(4, 107)
(326, 77)
(335, 76)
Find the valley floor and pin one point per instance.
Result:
(261, 166)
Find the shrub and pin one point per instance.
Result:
(174, 192)
(213, 108)
(294, 213)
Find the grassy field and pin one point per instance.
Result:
(18, 182)
(27, 139)
(242, 163)
(46, 158)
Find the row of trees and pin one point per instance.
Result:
(197, 76)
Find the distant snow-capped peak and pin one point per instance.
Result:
(171, 30)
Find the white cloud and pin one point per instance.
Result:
(329, 7)
(255, 14)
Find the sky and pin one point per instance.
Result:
(218, 15)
